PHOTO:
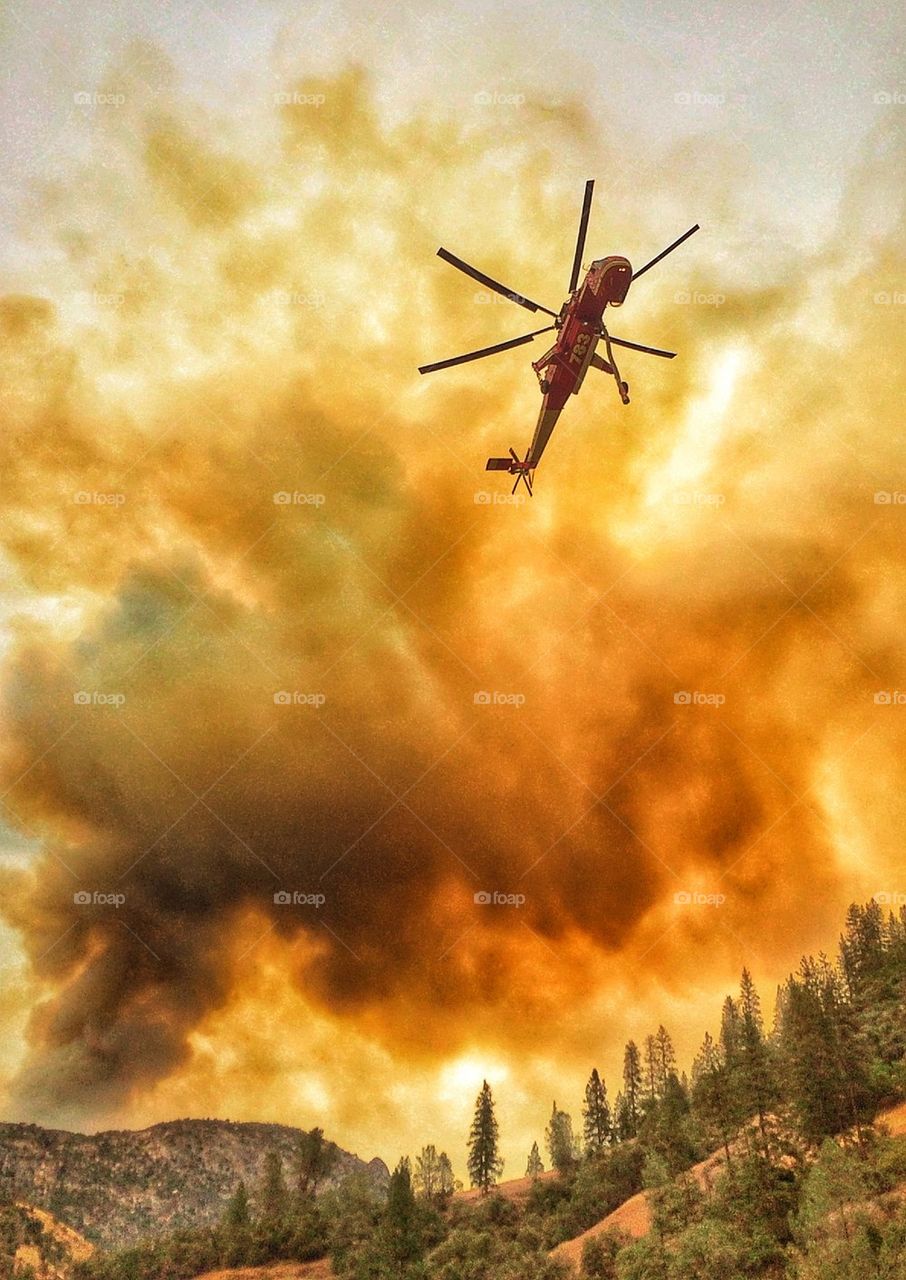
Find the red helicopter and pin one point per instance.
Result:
(580, 327)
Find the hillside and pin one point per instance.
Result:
(119, 1186)
(33, 1239)
(633, 1217)
(894, 1120)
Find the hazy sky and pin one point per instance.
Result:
(219, 229)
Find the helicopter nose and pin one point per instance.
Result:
(618, 280)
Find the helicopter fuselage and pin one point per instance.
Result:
(562, 369)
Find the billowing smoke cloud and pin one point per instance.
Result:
(286, 681)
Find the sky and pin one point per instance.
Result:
(291, 688)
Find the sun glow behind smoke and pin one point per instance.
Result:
(683, 478)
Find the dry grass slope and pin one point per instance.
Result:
(76, 1246)
(516, 1189)
(320, 1270)
(634, 1216)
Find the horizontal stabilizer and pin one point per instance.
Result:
(499, 464)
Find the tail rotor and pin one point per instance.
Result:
(521, 468)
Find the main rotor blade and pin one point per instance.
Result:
(583, 228)
(485, 351)
(685, 236)
(518, 298)
(635, 346)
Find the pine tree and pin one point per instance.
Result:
(666, 1128)
(713, 1100)
(755, 1070)
(446, 1179)
(534, 1165)
(862, 948)
(660, 1061)
(666, 1057)
(560, 1142)
(652, 1076)
(238, 1216)
(823, 1055)
(779, 997)
(427, 1173)
(597, 1123)
(895, 937)
(485, 1165)
(273, 1197)
(808, 1069)
(399, 1233)
(632, 1089)
(730, 1033)
(622, 1120)
(314, 1160)
(433, 1176)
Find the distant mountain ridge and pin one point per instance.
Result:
(123, 1185)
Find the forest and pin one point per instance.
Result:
(803, 1180)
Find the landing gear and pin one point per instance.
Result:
(622, 387)
(539, 365)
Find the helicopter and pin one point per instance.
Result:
(580, 327)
